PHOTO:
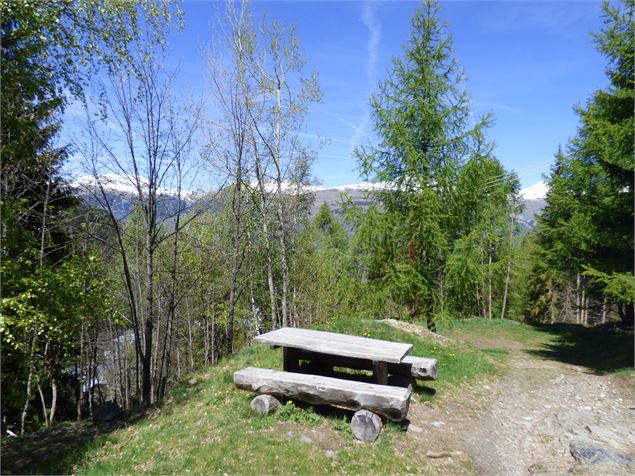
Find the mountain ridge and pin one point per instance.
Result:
(121, 191)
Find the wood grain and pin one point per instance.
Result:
(337, 344)
(391, 402)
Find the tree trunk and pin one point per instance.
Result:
(583, 301)
(509, 269)
(42, 402)
(489, 282)
(265, 231)
(233, 273)
(578, 306)
(190, 342)
(53, 400)
(605, 302)
(206, 341)
(280, 210)
(29, 382)
(213, 341)
(146, 361)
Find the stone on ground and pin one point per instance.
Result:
(587, 452)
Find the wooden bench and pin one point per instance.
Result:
(390, 402)
(418, 368)
(379, 353)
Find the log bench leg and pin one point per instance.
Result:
(366, 426)
(380, 372)
(291, 361)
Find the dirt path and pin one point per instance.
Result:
(528, 420)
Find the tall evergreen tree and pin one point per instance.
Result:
(586, 230)
(422, 119)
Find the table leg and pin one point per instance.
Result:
(380, 372)
(290, 362)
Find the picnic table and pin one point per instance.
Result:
(330, 347)
(326, 350)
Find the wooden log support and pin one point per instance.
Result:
(264, 404)
(390, 402)
(290, 359)
(380, 372)
(420, 368)
(366, 426)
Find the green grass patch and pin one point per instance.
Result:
(207, 426)
(497, 329)
(497, 352)
(604, 349)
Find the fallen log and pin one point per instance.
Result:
(390, 402)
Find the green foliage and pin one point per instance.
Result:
(620, 287)
(331, 233)
(588, 220)
(444, 225)
(42, 312)
(52, 282)
(321, 268)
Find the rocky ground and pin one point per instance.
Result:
(541, 417)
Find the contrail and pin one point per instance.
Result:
(374, 28)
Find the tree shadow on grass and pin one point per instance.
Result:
(54, 450)
(602, 349)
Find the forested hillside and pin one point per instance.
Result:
(213, 236)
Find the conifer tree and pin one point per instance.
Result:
(586, 229)
(422, 118)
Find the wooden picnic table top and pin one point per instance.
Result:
(337, 344)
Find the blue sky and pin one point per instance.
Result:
(527, 62)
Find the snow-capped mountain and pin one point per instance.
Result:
(123, 184)
(121, 192)
(537, 191)
(533, 197)
(122, 195)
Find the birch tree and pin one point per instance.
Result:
(141, 137)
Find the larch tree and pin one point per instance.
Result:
(423, 121)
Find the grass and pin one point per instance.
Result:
(207, 426)
(498, 330)
(604, 349)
